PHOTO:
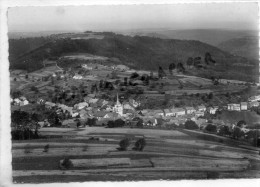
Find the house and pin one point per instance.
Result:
(111, 115)
(17, 101)
(40, 101)
(100, 114)
(190, 110)
(83, 114)
(128, 106)
(49, 105)
(243, 105)
(168, 112)
(212, 110)
(178, 112)
(158, 112)
(69, 123)
(108, 108)
(254, 98)
(134, 103)
(85, 66)
(236, 107)
(201, 108)
(253, 104)
(121, 67)
(93, 100)
(24, 102)
(74, 114)
(77, 77)
(44, 123)
(199, 113)
(80, 106)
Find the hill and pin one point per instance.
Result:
(140, 52)
(244, 46)
(210, 36)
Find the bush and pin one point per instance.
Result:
(237, 133)
(140, 144)
(224, 130)
(124, 144)
(189, 124)
(211, 128)
(46, 148)
(66, 163)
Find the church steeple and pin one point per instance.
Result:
(117, 100)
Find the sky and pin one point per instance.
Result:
(234, 16)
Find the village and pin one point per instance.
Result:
(102, 94)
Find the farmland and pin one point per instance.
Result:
(93, 152)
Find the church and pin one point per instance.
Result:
(118, 108)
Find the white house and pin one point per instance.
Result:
(236, 107)
(17, 101)
(212, 110)
(168, 112)
(158, 112)
(24, 102)
(49, 104)
(199, 113)
(128, 106)
(80, 106)
(190, 110)
(201, 108)
(178, 111)
(253, 104)
(243, 105)
(230, 107)
(254, 98)
(77, 77)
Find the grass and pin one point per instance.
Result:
(170, 144)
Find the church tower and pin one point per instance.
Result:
(118, 108)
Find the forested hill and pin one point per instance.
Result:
(244, 46)
(138, 52)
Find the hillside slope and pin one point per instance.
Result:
(244, 46)
(141, 52)
(210, 36)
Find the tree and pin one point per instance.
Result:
(197, 62)
(211, 128)
(171, 68)
(161, 73)
(91, 122)
(189, 62)
(16, 94)
(237, 133)
(180, 67)
(189, 124)
(140, 144)
(241, 123)
(53, 118)
(210, 96)
(22, 126)
(35, 89)
(125, 81)
(119, 123)
(208, 58)
(134, 75)
(124, 144)
(224, 131)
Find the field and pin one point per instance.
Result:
(93, 152)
